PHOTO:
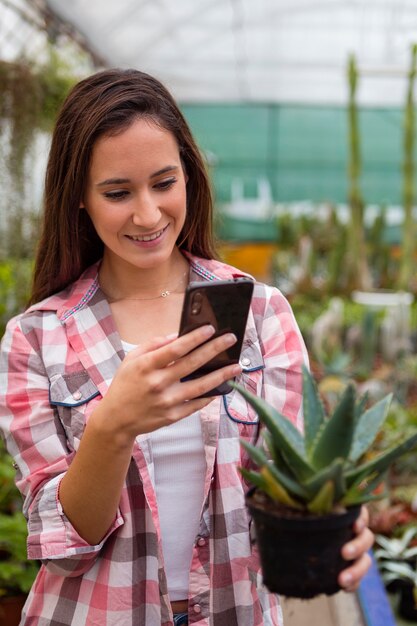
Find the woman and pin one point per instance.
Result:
(134, 501)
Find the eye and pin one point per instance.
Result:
(118, 194)
(165, 184)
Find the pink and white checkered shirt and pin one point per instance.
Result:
(57, 361)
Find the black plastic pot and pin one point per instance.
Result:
(301, 555)
(11, 609)
(407, 604)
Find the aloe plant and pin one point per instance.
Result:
(396, 549)
(324, 468)
(392, 571)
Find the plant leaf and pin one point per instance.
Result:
(359, 492)
(267, 483)
(261, 460)
(403, 571)
(381, 463)
(312, 408)
(276, 454)
(368, 426)
(277, 491)
(332, 473)
(285, 436)
(291, 485)
(257, 455)
(323, 501)
(361, 405)
(252, 477)
(335, 436)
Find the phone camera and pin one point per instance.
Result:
(196, 303)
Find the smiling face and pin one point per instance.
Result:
(136, 197)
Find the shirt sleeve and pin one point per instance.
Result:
(36, 440)
(284, 353)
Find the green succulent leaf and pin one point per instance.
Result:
(291, 485)
(253, 477)
(334, 474)
(335, 436)
(269, 485)
(276, 454)
(312, 408)
(367, 428)
(257, 455)
(361, 499)
(362, 490)
(381, 463)
(323, 502)
(277, 491)
(285, 436)
(361, 405)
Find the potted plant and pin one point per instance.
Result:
(396, 550)
(16, 572)
(308, 487)
(401, 548)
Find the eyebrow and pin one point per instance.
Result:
(122, 181)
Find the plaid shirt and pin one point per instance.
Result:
(57, 361)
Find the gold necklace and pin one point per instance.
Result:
(164, 294)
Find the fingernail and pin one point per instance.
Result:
(350, 551)
(230, 338)
(237, 370)
(346, 580)
(360, 525)
(208, 330)
(172, 336)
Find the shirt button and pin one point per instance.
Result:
(245, 361)
(201, 541)
(197, 608)
(77, 395)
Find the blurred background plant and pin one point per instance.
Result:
(16, 573)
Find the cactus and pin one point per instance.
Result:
(358, 274)
(323, 469)
(407, 261)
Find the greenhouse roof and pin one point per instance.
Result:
(241, 50)
(268, 50)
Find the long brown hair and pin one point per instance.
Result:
(107, 103)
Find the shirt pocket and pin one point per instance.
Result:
(71, 394)
(236, 407)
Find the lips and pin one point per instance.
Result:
(149, 237)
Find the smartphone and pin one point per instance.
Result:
(225, 305)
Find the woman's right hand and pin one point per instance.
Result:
(146, 392)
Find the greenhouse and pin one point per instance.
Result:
(304, 114)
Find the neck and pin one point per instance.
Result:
(127, 283)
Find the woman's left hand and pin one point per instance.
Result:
(357, 549)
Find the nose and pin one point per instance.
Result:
(146, 213)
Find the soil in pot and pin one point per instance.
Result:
(300, 553)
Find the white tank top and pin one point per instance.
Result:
(179, 471)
